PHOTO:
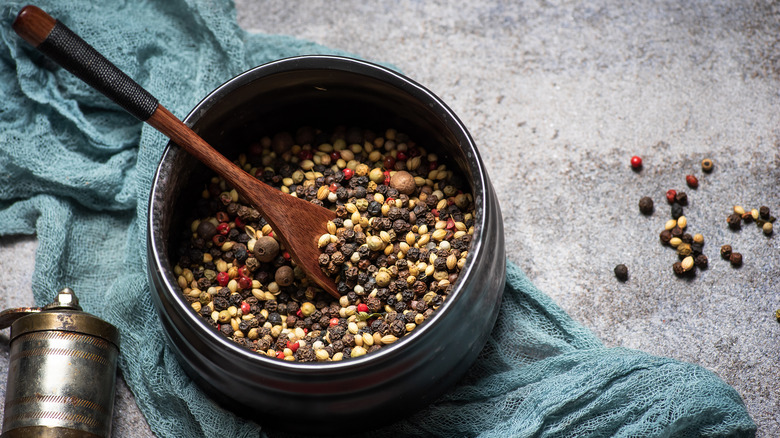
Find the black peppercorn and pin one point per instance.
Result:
(681, 198)
(677, 210)
(678, 268)
(725, 251)
(734, 220)
(665, 236)
(701, 261)
(646, 205)
(763, 212)
(621, 272)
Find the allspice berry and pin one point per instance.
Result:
(621, 272)
(266, 249)
(206, 230)
(403, 181)
(725, 251)
(284, 276)
(735, 259)
(646, 205)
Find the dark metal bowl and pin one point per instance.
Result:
(382, 386)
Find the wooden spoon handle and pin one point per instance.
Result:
(67, 49)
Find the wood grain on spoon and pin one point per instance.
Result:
(298, 223)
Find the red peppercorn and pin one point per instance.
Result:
(239, 223)
(280, 355)
(299, 313)
(671, 195)
(433, 165)
(244, 282)
(450, 224)
(244, 271)
(245, 307)
(348, 173)
(692, 181)
(286, 255)
(223, 228)
(293, 346)
(362, 307)
(335, 155)
(389, 201)
(305, 154)
(401, 156)
(333, 187)
(389, 162)
(223, 278)
(219, 239)
(334, 322)
(435, 212)
(636, 162)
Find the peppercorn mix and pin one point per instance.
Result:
(401, 237)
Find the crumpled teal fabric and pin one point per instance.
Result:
(76, 171)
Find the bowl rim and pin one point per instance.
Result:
(479, 179)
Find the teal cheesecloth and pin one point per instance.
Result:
(76, 171)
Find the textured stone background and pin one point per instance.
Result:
(559, 95)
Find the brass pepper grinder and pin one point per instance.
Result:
(61, 373)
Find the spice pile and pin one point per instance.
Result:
(689, 247)
(403, 228)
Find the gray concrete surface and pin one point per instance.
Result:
(559, 95)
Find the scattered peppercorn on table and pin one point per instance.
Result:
(559, 98)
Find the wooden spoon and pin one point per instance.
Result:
(299, 223)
